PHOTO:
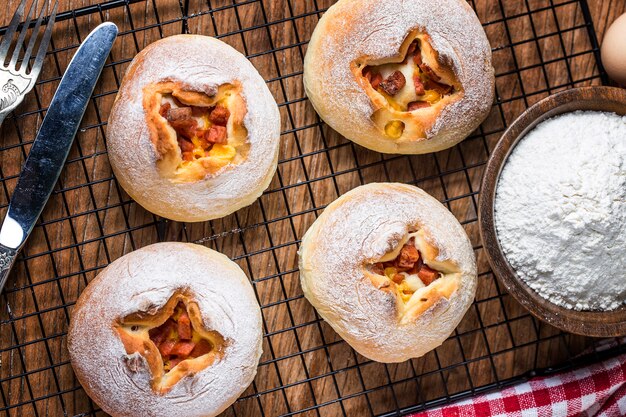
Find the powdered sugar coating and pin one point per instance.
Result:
(145, 280)
(202, 63)
(359, 228)
(560, 210)
(376, 29)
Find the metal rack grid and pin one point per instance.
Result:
(539, 46)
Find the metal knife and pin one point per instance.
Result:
(52, 144)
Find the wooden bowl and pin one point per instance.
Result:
(588, 323)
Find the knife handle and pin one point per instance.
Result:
(7, 259)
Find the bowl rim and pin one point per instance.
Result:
(587, 323)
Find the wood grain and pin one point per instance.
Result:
(90, 221)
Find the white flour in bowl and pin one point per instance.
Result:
(560, 210)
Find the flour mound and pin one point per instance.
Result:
(560, 210)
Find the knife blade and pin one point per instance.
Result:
(52, 144)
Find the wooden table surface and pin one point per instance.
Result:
(90, 221)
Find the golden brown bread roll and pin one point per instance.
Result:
(194, 132)
(390, 269)
(405, 77)
(172, 329)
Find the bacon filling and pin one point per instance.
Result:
(177, 340)
(405, 269)
(427, 85)
(200, 131)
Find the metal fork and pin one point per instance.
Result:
(17, 82)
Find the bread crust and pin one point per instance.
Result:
(142, 283)
(351, 33)
(195, 64)
(358, 229)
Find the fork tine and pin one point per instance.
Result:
(22, 35)
(45, 41)
(33, 37)
(8, 35)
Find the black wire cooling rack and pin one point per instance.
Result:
(539, 47)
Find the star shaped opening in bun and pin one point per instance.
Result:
(172, 340)
(412, 272)
(411, 82)
(195, 133)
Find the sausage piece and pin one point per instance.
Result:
(394, 83)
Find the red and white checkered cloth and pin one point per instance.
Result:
(596, 390)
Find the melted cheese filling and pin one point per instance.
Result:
(196, 135)
(175, 347)
(411, 281)
(400, 101)
(413, 83)
(419, 286)
(224, 153)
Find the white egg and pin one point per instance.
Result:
(614, 50)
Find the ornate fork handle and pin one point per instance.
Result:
(18, 76)
(11, 96)
(7, 259)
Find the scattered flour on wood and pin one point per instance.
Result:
(560, 210)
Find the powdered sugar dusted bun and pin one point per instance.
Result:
(445, 89)
(194, 132)
(168, 295)
(390, 269)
